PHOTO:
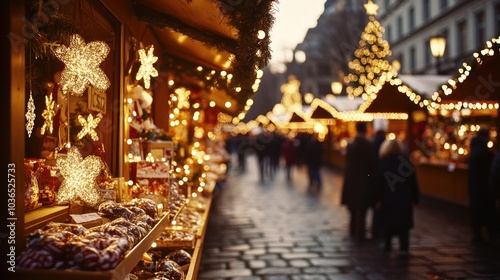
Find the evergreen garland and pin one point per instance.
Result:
(54, 26)
(248, 17)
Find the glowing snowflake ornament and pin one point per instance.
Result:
(82, 65)
(79, 178)
(147, 70)
(48, 115)
(88, 127)
(30, 115)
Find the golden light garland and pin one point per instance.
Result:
(82, 65)
(48, 115)
(30, 115)
(491, 49)
(147, 70)
(88, 127)
(79, 178)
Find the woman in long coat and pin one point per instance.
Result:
(397, 191)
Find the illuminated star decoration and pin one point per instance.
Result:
(79, 178)
(147, 70)
(88, 127)
(82, 65)
(48, 115)
(371, 8)
(30, 115)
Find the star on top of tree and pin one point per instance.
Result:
(79, 177)
(147, 70)
(371, 8)
(82, 65)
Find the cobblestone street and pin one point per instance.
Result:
(277, 230)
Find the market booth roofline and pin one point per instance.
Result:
(223, 45)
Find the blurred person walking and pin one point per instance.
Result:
(481, 198)
(397, 191)
(377, 229)
(289, 153)
(261, 146)
(358, 189)
(313, 158)
(241, 151)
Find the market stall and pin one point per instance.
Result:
(459, 108)
(121, 102)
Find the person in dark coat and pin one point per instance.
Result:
(261, 146)
(494, 182)
(377, 229)
(481, 198)
(289, 153)
(397, 191)
(358, 190)
(313, 158)
(242, 146)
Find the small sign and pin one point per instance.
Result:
(97, 100)
(84, 218)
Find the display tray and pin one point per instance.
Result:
(118, 273)
(39, 217)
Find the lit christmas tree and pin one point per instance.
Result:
(370, 67)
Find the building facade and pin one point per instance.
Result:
(329, 46)
(409, 24)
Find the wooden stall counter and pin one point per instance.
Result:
(442, 181)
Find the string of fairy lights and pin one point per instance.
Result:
(370, 70)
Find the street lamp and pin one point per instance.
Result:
(336, 87)
(438, 45)
(308, 98)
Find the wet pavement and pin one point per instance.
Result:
(276, 230)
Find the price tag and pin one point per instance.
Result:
(84, 218)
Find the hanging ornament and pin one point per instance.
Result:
(79, 178)
(30, 115)
(48, 115)
(147, 70)
(82, 65)
(88, 127)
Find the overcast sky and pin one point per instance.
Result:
(292, 20)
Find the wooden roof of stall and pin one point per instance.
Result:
(217, 35)
(404, 93)
(477, 81)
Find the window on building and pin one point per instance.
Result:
(426, 13)
(388, 33)
(443, 4)
(413, 59)
(497, 19)
(400, 26)
(480, 29)
(461, 37)
(324, 88)
(428, 54)
(398, 61)
(446, 35)
(411, 18)
(324, 69)
(387, 4)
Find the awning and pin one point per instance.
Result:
(477, 82)
(215, 45)
(404, 93)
